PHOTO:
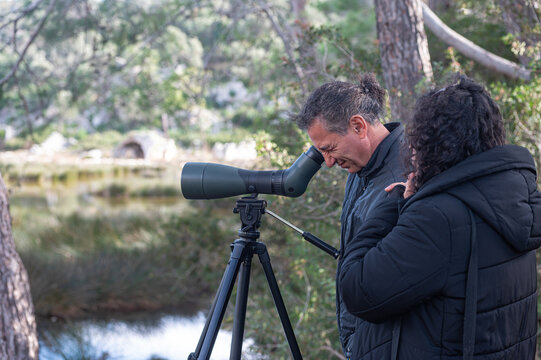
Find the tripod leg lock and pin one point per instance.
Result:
(261, 249)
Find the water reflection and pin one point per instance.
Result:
(169, 337)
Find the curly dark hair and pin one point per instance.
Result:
(336, 102)
(449, 125)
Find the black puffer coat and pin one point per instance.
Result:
(409, 265)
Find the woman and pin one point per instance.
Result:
(453, 266)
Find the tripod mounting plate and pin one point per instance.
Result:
(250, 210)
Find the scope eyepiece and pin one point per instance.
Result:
(215, 181)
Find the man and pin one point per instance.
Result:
(343, 121)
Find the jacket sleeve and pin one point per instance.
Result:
(535, 204)
(386, 273)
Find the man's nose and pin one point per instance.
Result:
(329, 160)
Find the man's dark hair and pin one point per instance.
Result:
(449, 125)
(336, 102)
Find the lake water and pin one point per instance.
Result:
(170, 337)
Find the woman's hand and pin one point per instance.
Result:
(410, 190)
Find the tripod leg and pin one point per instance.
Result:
(212, 326)
(240, 306)
(278, 301)
(195, 354)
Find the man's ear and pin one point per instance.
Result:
(359, 125)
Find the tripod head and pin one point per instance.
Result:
(250, 209)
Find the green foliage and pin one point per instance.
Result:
(105, 140)
(521, 109)
(13, 144)
(353, 34)
(158, 191)
(113, 190)
(191, 138)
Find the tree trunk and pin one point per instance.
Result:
(472, 51)
(404, 52)
(18, 336)
(521, 19)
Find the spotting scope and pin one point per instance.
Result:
(215, 181)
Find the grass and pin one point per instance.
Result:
(115, 190)
(62, 175)
(79, 265)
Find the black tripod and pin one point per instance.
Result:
(242, 251)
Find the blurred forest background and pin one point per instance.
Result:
(203, 74)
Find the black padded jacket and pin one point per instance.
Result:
(364, 191)
(468, 236)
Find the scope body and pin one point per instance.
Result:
(214, 181)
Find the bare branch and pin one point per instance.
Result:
(235, 14)
(30, 41)
(306, 300)
(287, 47)
(25, 105)
(27, 10)
(471, 50)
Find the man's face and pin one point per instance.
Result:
(349, 151)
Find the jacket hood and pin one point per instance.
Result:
(499, 185)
